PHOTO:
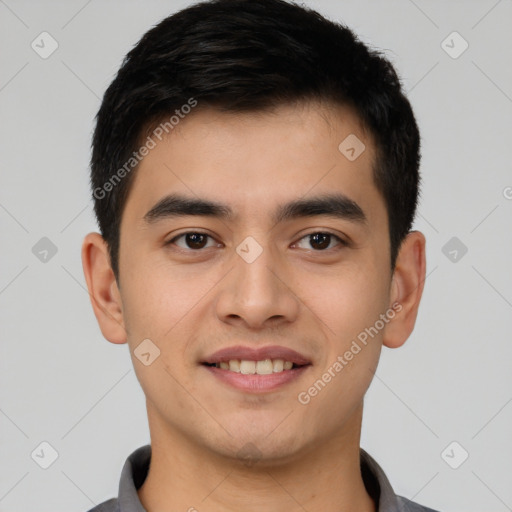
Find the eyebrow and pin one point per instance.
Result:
(332, 205)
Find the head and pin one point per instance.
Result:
(241, 113)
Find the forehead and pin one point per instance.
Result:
(253, 161)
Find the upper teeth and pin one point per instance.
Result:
(265, 367)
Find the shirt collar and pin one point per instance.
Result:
(136, 467)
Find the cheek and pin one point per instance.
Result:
(347, 301)
(156, 309)
(161, 300)
(347, 306)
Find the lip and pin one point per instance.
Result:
(255, 383)
(257, 354)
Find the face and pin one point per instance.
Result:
(284, 263)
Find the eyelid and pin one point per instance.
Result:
(190, 231)
(343, 242)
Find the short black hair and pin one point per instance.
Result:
(249, 56)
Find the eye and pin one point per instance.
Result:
(192, 240)
(321, 241)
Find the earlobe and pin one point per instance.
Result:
(103, 289)
(406, 289)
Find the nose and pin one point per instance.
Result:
(257, 294)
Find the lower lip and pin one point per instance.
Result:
(257, 383)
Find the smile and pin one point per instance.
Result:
(247, 367)
(256, 370)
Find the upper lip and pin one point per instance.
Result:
(257, 354)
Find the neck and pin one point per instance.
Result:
(184, 476)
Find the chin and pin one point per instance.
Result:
(267, 443)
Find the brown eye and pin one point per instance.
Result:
(195, 240)
(321, 241)
(191, 240)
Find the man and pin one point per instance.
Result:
(255, 177)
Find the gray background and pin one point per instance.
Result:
(62, 383)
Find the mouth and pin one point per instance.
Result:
(256, 370)
(261, 367)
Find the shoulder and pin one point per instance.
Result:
(405, 505)
(111, 505)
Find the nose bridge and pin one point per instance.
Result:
(255, 276)
(254, 292)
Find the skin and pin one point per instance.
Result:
(192, 302)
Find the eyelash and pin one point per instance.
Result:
(341, 242)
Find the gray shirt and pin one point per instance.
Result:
(136, 468)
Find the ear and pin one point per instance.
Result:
(406, 289)
(103, 289)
